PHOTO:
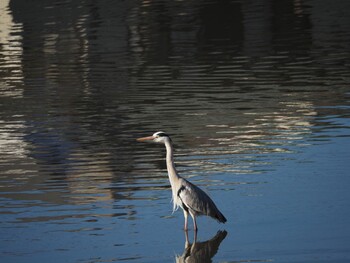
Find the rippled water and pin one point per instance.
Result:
(254, 93)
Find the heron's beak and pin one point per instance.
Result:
(149, 138)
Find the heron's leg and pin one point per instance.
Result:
(187, 242)
(186, 216)
(194, 222)
(195, 237)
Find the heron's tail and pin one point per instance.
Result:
(220, 217)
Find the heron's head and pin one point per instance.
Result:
(158, 137)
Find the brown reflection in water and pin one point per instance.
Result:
(59, 123)
(11, 51)
(91, 76)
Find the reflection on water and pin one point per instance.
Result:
(11, 54)
(254, 93)
(201, 251)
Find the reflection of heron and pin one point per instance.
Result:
(189, 197)
(201, 251)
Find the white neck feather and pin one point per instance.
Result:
(173, 176)
(172, 173)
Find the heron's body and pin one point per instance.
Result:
(190, 198)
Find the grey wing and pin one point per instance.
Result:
(198, 202)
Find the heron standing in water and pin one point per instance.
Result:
(190, 198)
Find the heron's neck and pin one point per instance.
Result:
(173, 176)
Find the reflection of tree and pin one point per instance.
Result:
(72, 124)
(91, 74)
(11, 52)
(291, 26)
(201, 251)
(221, 26)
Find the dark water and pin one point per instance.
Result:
(255, 95)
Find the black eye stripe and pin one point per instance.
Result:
(162, 134)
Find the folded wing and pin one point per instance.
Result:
(198, 202)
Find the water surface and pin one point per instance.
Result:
(255, 95)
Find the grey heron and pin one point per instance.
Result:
(190, 198)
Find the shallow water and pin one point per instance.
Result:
(254, 93)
